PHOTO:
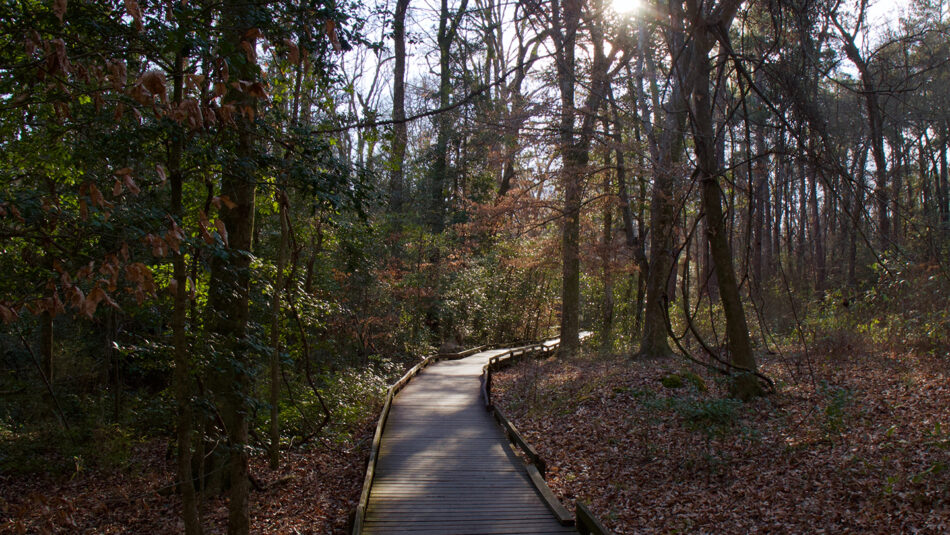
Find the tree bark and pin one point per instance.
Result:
(745, 385)
(876, 126)
(815, 225)
(181, 378)
(666, 155)
(607, 319)
(228, 296)
(46, 346)
(448, 28)
(574, 145)
(274, 452)
(400, 135)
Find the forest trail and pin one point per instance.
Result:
(446, 467)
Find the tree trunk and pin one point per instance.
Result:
(802, 218)
(745, 385)
(943, 185)
(817, 237)
(181, 378)
(669, 148)
(575, 154)
(228, 296)
(400, 135)
(607, 340)
(46, 346)
(760, 246)
(448, 27)
(274, 452)
(876, 126)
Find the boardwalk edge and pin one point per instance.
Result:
(360, 513)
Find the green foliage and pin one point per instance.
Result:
(712, 417)
(672, 381)
(835, 412)
(678, 380)
(55, 451)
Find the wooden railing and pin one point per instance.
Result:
(381, 425)
(583, 519)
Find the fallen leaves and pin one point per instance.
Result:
(864, 450)
(312, 492)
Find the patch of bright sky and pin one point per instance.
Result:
(884, 14)
(626, 6)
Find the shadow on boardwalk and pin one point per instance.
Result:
(445, 467)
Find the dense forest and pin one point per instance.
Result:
(226, 227)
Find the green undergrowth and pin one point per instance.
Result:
(33, 441)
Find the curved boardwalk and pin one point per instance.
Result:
(446, 467)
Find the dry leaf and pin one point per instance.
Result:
(129, 183)
(228, 202)
(330, 28)
(134, 11)
(249, 51)
(293, 51)
(222, 231)
(59, 9)
(8, 314)
(154, 81)
(203, 228)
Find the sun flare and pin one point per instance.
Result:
(625, 7)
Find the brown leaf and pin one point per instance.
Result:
(222, 230)
(203, 228)
(75, 297)
(190, 112)
(330, 28)
(228, 202)
(160, 171)
(220, 88)
(154, 81)
(8, 314)
(129, 183)
(56, 60)
(117, 188)
(59, 9)
(91, 303)
(134, 11)
(249, 51)
(293, 51)
(117, 74)
(226, 113)
(257, 90)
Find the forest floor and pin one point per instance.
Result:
(312, 492)
(853, 444)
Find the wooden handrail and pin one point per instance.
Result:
(515, 437)
(587, 523)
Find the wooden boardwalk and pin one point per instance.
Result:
(446, 467)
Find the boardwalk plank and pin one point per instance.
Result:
(446, 468)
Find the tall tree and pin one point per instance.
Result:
(574, 142)
(709, 23)
(228, 296)
(438, 175)
(397, 175)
